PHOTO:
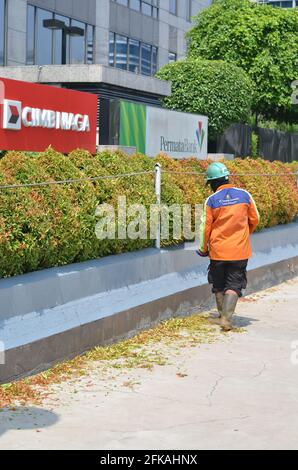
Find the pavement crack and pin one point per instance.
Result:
(213, 389)
(264, 367)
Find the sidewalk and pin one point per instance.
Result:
(237, 393)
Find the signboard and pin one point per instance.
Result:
(33, 117)
(155, 130)
(179, 135)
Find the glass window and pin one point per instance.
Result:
(44, 38)
(44, 46)
(135, 5)
(146, 9)
(121, 52)
(30, 35)
(77, 45)
(282, 4)
(58, 41)
(130, 54)
(146, 59)
(154, 60)
(173, 7)
(286, 4)
(112, 50)
(134, 56)
(172, 57)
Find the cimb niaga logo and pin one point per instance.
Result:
(12, 115)
(15, 115)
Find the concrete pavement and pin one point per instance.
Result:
(237, 393)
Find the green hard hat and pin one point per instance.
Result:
(217, 170)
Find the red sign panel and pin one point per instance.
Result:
(33, 117)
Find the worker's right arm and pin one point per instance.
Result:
(253, 215)
(206, 227)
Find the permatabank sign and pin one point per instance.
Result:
(180, 135)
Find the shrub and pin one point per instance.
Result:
(217, 89)
(54, 225)
(293, 166)
(260, 39)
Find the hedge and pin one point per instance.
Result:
(55, 225)
(220, 90)
(293, 166)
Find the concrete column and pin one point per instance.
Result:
(102, 32)
(181, 45)
(164, 34)
(16, 32)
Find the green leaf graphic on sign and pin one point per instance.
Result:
(133, 125)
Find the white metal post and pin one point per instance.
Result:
(158, 201)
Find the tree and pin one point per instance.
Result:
(217, 89)
(260, 39)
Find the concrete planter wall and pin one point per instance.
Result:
(54, 314)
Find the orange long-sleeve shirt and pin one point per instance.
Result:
(230, 215)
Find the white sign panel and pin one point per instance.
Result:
(180, 135)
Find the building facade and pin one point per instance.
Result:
(111, 48)
(135, 35)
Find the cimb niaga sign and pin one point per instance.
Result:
(32, 117)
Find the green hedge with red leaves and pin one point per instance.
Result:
(54, 225)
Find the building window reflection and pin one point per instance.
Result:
(43, 38)
(134, 56)
(121, 52)
(173, 7)
(130, 54)
(172, 57)
(147, 7)
(57, 38)
(44, 46)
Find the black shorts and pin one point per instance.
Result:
(228, 275)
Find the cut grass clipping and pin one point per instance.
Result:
(129, 354)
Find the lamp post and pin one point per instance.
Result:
(56, 25)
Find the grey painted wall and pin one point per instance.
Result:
(44, 303)
(54, 314)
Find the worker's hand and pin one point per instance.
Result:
(203, 255)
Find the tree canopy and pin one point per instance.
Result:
(217, 89)
(259, 38)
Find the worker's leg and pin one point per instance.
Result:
(236, 281)
(216, 277)
(219, 296)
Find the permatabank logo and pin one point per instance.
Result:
(12, 111)
(200, 133)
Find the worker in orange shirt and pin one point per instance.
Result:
(230, 216)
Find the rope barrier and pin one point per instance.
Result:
(73, 181)
(232, 174)
(127, 175)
